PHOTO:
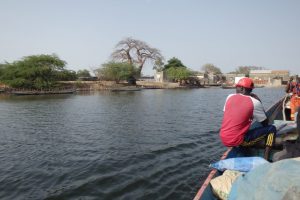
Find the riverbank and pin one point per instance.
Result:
(73, 86)
(112, 85)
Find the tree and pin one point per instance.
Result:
(83, 73)
(135, 52)
(158, 65)
(211, 69)
(178, 73)
(174, 63)
(114, 71)
(246, 69)
(2, 66)
(33, 72)
(66, 75)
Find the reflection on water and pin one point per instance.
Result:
(151, 144)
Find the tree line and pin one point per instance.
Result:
(38, 72)
(127, 61)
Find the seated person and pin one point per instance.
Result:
(239, 111)
(295, 98)
(289, 86)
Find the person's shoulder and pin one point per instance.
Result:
(230, 95)
(255, 96)
(239, 97)
(255, 100)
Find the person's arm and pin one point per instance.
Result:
(287, 88)
(259, 113)
(265, 122)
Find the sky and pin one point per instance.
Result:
(226, 33)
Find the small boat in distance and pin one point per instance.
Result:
(125, 89)
(233, 86)
(259, 86)
(228, 86)
(42, 92)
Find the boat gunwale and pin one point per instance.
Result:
(210, 176)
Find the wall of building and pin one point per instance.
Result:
(262, 77)
(269, 74)
(159, 76)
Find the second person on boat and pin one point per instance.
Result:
(239, 111)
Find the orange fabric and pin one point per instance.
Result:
(295, 103)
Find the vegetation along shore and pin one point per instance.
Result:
(47, 74)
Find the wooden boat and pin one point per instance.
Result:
(279, 111)
(228, 87)
(42, 92)
(259, 86)
(125, 89)
(233, 86)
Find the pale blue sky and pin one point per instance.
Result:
(226, 33)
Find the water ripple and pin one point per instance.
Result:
(153, 144)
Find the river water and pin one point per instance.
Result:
(150, 144)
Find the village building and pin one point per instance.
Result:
(269, 77)
(231, 77)
(262, 77)
(159, 76)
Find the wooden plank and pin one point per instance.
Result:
(209, 177)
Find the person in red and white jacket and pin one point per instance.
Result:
(239, 111)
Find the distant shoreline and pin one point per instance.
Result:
(78, 86)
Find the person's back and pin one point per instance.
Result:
(238, 114)
(239, 111)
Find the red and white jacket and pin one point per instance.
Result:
(239, 111)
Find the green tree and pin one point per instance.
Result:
(211, 69)
(66, 75)
(115, 71)
(83, 73)
(176, 70)
(174, 63)
(33, 72)
(2, 66)
(178, 73)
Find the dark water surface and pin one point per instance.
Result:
(151, 144)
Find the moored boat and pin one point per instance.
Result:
(42, 92)
(233, 86)
(279, 112)
(125, 89)
(228, 87)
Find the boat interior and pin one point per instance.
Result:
(279, 113)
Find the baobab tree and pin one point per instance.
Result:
(211, 69)
(135, 52)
